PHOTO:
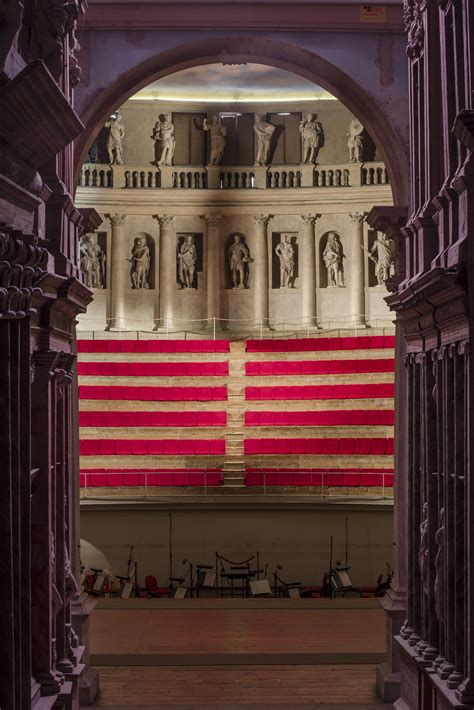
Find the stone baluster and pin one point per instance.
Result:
(357, 270)
(261, 277)
(118, 271)
(167, 270)
(213, 267)
(308, 270)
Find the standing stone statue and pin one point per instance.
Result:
(140, 263)
(355, 141)
(238, 255)
(92, 261)
(264, 132)
(333, 256)
(312, 134)
(115, 139)
(165, 142)
(286, 253)
(383, 254)
(218, 135)
(187, 258)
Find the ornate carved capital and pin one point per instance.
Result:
(213, 220)
(263, 219)
(164, 220)
(22, 264)
(357, 217)
(116, 220)
(310, 219)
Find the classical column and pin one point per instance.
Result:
(307, 269)
(167, 270)
(357, 270)
(118, 272)
(261, 279)
(213, 267)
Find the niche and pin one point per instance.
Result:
(331, 261)
(237, 261)
(142, 262)
(189, 259)
(285, 259)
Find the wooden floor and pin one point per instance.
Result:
(242, 657)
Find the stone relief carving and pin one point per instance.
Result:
(382, 254)
(355, 141)
(140, 263)
(238, 255)
(413, 19)
(439, 568)
(333, 256)
(92, 261)
(286, 253)
(115, 139)
(218, 135)
(311, 134)
(187, 258)
(165, 142)
(264, 132)
(423, 559)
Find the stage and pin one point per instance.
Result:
(237, 652)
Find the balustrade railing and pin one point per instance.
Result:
(94, 175)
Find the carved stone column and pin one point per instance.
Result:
(357, 270)
(167, 270)
(116, 317)
(261, 278)
(308, 270)
(213, 267)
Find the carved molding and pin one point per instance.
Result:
(310, 219)
(213, 220)
(116, 220)
(413, 11)
(263, 220)
(23, 263)
(357, 217)
(164, 220)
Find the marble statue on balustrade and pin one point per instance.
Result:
(382, 254)
(355, 142)
(312, 136)
(92, 261)
(140, 263)
(115, 139)
(165, 142)
(264, 132)
(333, 257)
(286, 253)
(187, 258)
(238, 255)
(218, 135)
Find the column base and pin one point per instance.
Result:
(115, 327)
(89, 684)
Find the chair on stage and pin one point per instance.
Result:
(153, 590)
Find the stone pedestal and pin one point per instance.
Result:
(116, 314)
(308, 270)
(307, 175)
(261, 267)
(213, 177)
(357, 270)
(167, 272)
(213, 270)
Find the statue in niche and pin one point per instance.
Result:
(92, 261)
(286, 253)
(355, 141)
(165, 142)
(382, 254)
(263, 131)
(423, 559)
(115, 139)
(140, 263)
(439, 568)
(218, 135)
(312, 134)
(333, 256)
(238, 255)
(187, 258)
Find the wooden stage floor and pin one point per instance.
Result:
(237, 653)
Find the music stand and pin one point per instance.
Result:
(206, 578)
(180, 592)
(260, 588)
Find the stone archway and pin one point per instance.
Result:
(264, 51)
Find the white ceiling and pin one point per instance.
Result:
(233, 83)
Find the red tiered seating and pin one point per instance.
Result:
(316, 447)
(318, 367)
(153, 346)
(355, 417)
(366, 391)
(152, 419)
(153, 394)
(151, 447)
(364, 342)
(153, 369)
(102, 477)
(346, 477)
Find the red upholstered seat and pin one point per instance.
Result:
(251, 446)
(131, 478)
(186, 447)
(302, 479)
(84, 346)
(219, 393)
(170, 447)
(217, 447)
(155, 447)
(390, 447)
(213, 478)
(189, 419)
(139, 447)
(89, 447)
(346, 447)
(368, 479)
(377, 341)
(107, 447)
(378, 447)
(219, 418)
(316, 479)
(196, 478)
(334, 479)
(180, 479)
(123, 447)
(115, 479)
(97, 480)
(352, 480)
(362, 447)
(164, 479)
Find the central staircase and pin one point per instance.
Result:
(234, 463)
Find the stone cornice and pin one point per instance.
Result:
(211, 15)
